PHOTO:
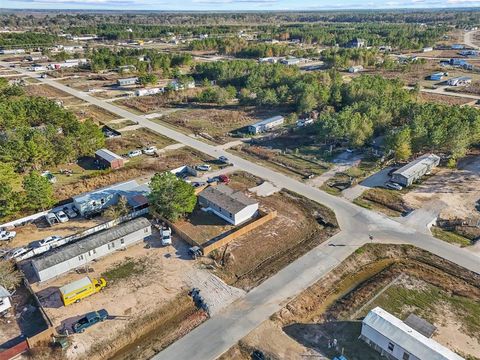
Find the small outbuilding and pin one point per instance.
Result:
(232, 206)
(394, 339)
(5, 303)
(355, 69)
(415, 169)
(109, 159)
(92, 247)
(127, 81)
(356, 43)
(290, 61)
(266, 125)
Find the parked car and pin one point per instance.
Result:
(15, 253)
(70, 211)
(49, 240)
(203, 167)
(151, 150)
(61, 216)
(166, 233)
(7, 235)
(224, 159)
(134, 153)
(51, 219)
(197, 184)
(224, 179)
(90, 319)
(393, 186)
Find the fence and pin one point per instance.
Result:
(14, 351)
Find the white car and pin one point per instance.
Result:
(49, 240)
(151, 150)
(204, 167)
(7, 235)
(393, 186)
(166, 233)
(61, 216)
(15, 253)
(134, 153)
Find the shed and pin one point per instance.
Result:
(5, 303)
(357, 43)
(266, 125)
(415, 169)
(92, 247)
(290, 61)
(109, 159)
(232, 206)
(394, 339)
(127, 81)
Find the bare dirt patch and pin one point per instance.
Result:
(45, 91)
(97, 114)
(137, 139)
(443, 99)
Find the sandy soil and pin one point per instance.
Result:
(460, 189)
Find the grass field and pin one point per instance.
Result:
(450, 237)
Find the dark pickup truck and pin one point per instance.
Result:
(90, 319)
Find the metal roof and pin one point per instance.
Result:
(407, 338)
(268, 121)
(421, 325)
(227, 198)
(88, 243)
(108, 155)
(127, 189)
(412, 167)
(4, 292)
(75, 285)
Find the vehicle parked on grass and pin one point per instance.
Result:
(7, 235)
(151, 150)
(70, 211)
(203, 167)
(49, 240)
(61, 216)
(393, 186)
(77, 290)
(166, 234)
(134, 153)
(89, 319)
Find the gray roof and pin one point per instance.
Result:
(421, 325)
(407, 338)
(227, 198)
(75, 285)
(268, 121)
(127, 189)
(413, 167)
(107, 155)
(88, 243)
(4, 292)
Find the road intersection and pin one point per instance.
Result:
(218, 334)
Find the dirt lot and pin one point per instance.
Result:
(137, 139)
(46, 91)
(253, 257)
(459, 188)
(443, 99)
(142, 282)
(99, 115)
(401, 279)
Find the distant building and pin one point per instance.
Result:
(460, 81)
(127, 81)
(12, 51)
(126, 68)
(427, 49)
(457, 47)
(356, 43)
(147, 92)
(290, 61)
(415, 169)
(355, 69)
(458, 62)
(266, 125)
(5, 303)
(99, 200)
(232, 206)
(395, 340)
(270, 60)
(109, 159)
(469, 53)
(437, 76)
(178, 85)
(92, 247)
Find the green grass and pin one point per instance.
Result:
(450, 237)
(124, 270)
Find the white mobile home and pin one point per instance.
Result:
(266, 125)
(460, 81)
(127, 81)
(415, 169)
(232, 206)
(5, 303)
(82, 252)
(395, 340)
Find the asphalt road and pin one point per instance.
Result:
(224, 330)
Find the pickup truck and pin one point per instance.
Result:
(7, 235)
(90, 319)
(166, 234)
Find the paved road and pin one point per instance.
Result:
(468, 39)
(227, 328)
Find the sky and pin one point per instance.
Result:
(232, 5)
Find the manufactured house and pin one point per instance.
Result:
(460, 81)
(147, 92)
(127, 81)
(357, 43)
(458, 47)
(5, 303)
(427, 49)
(437, 76)
(230, 205)
(99, 200)
(178, 85)
(395, 340)
(290, 61)
(269, 60)
(266, 125)
(469, 53)
(355, 69)
(12, 51)
(90, 248)
(108, 159)
(415, 169)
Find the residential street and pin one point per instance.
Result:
(225, 329)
